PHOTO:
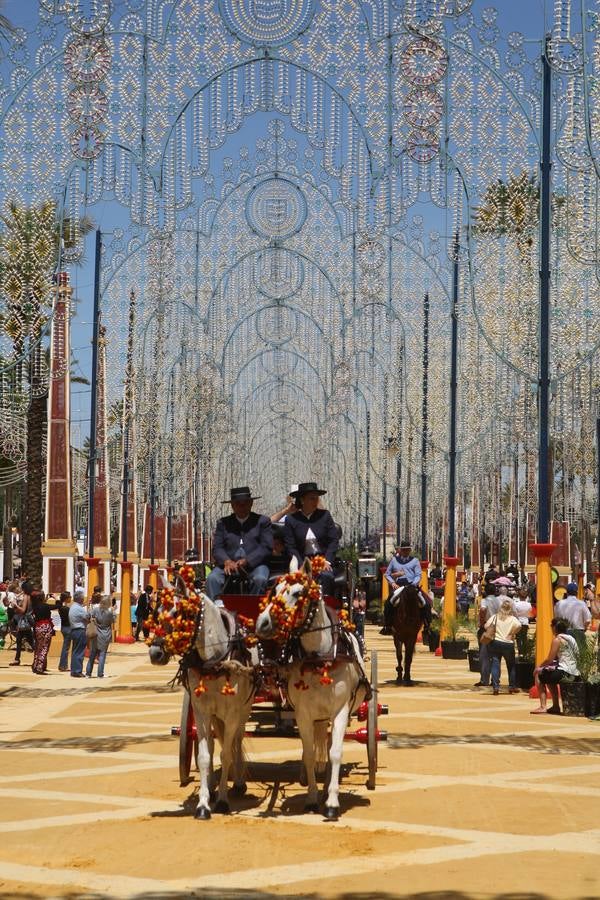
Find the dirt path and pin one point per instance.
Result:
(475, 796)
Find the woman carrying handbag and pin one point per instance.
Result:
(102, 617)
(24, 621)
(502, 646)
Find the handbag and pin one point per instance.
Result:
(489, 633)
(91, 630)
(26, 622)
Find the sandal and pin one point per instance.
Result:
(538, 712)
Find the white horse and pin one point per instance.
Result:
(326, 683)
(221, 690)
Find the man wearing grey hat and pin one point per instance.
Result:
(242, 545)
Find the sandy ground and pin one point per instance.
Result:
(475, 797)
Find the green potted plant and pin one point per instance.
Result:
(471, 626)
(454, 647)
(525, 664)
(577, 693)
(434, 633)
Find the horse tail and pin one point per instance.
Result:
(321, 731)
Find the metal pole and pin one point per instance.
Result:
(424, 428)
(544, 347)
(453, 403)
(171, 471)
(124, 535)
(398, 512)
(368, 475)
(152, 507)
(94, 399)
(598, 492)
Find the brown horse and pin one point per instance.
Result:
(406, 623)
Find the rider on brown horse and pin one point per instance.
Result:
(404, 569)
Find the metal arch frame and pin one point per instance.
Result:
(256, 179)
(273, 305)
(265, 385)
(271, 58)
(290, 353)
(294, 252)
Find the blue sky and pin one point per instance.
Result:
(531, 17)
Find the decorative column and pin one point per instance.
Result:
(128, 518)
(451, 562)
(424, 576)
(544, 599)
(100, 561)
(59, 550)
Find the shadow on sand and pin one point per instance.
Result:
(223, 894)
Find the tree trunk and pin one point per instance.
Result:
(34, 512)
(7, 520)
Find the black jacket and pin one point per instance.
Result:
(256, 533)
(323, 527)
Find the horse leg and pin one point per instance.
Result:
(409, 649)
(227, 753)
(307, 736)
(338, 730)
(398, 646)
(204, 764)
(239, 781)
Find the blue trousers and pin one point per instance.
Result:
(79, 641)
(64, 653)
(216, 581)
(503, 650)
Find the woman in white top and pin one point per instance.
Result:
(503, 645)
(561, 661)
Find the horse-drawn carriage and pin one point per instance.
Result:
(300, 667)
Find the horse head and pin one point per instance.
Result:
(284, 608)
(158, 652)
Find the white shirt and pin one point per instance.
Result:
(522, 610)
(310, 544)
(578, 615)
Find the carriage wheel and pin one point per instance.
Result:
(188, 740)
(372, 725)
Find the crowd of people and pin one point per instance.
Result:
(29, 621)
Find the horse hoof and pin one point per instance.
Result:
(406, 682)
(311, 808)
(332, 813)
(222, 807)
(399, 682)
(202, 814)
(238, 790)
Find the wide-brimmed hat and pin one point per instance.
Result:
(240, 493)
(308, 487)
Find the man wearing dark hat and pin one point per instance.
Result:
(310, 531)
(403, 569)
(242, 545)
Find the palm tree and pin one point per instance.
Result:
(512, 208)
(6, 30)
(31, 245)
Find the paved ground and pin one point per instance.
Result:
(476, 798)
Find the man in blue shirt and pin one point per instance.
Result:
(403, 569)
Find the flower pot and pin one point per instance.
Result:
(454, 649)
(434, 641)
(592, 700)
(573, 697)
(473, 657)
(525, 677)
